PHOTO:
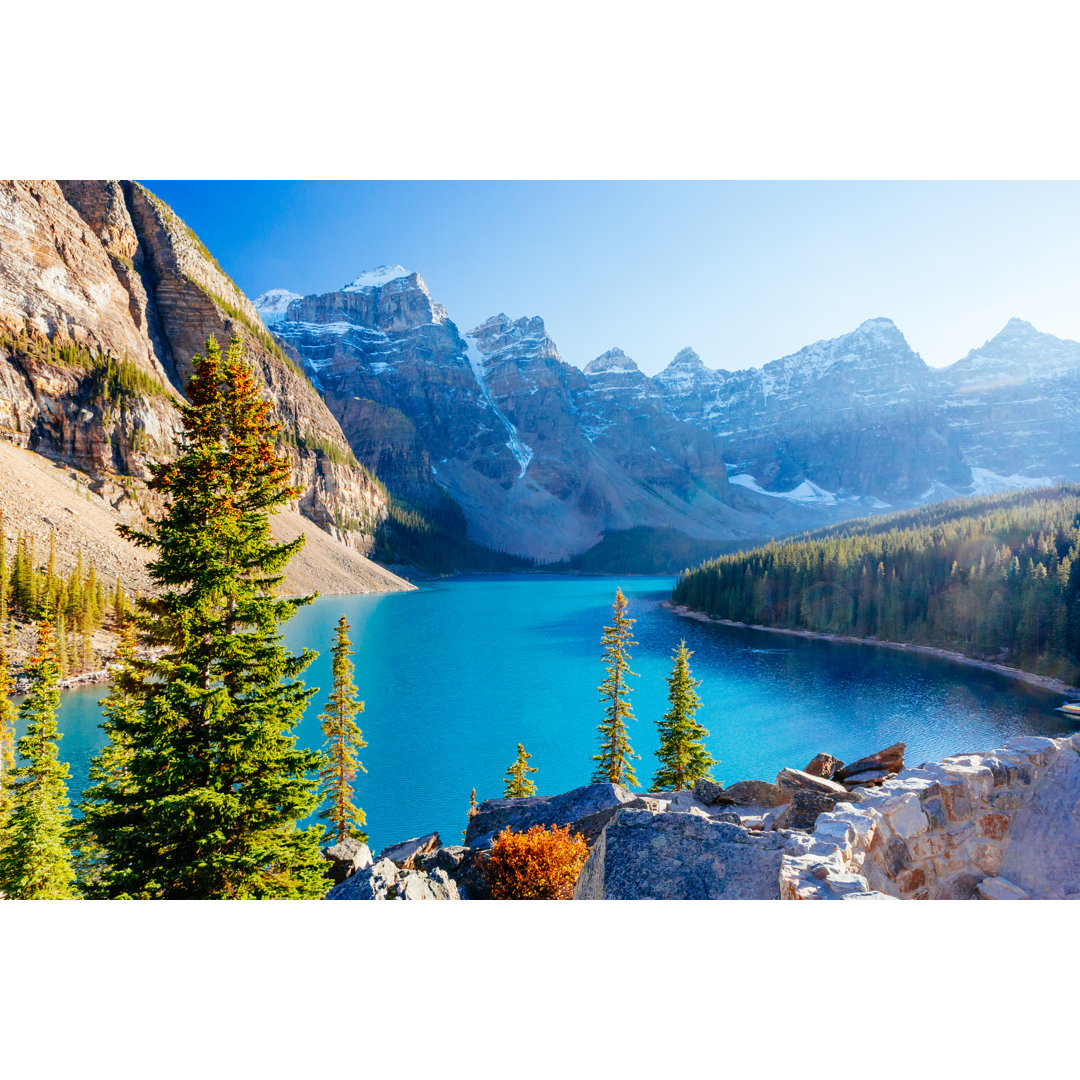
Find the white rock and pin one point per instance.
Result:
(998, 888)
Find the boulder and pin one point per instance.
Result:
(803, 810)
(445, 858)
(999, 888)
(676, 856)
(494, 815)
(404, 855)
(792, 780)
(385, 881)
(345, 858)
(884, 762)
(753, 793)
(372, 883)
(707, 791)
(824, 765)
(471, 876)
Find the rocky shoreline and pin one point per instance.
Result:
(1043, 681)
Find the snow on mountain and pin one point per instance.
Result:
(806, 492)
(613, 361)
(984, 482)
(523, 453)
(374, 279)
(273, 304)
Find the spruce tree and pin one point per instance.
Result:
(215, 784)
(517, 782)
(343, 739)
(7, 741)
(3, 573)
(682, 754)
(35, 861)
(472, 811)
(613, 763)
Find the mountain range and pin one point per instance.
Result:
(400, 423)
(544, 457)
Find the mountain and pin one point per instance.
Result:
(541, 457)
(105, 295)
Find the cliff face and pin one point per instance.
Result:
(107, 266)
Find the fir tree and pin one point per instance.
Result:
(472, 812)
(682, 755)
(215, 785)
(613, 763)
(343, 739)
(3, 573)
(7, 741)
(35, 862)
(517, 782)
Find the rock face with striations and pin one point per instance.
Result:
(107, 266)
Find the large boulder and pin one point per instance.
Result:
(707, 791)
(445, 858)
(804, 809)
(386, 881)
(676, 856)
(345, 858)
(494, 815)
(824, 765)
(792, 780)
(753, 793)
(404, 854)
(874, 768)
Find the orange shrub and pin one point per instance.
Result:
(541, 864)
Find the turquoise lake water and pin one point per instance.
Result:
(455, 674)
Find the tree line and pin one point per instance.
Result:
(996, 577)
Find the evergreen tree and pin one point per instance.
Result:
(343, 739)
(472, 811)
(517, 782)
(7, 741)
(682, 754)
(214, 786)
(3, 573)
(35, 862)
(613, 763)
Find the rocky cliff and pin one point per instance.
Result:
(105, 294)
(541, 457)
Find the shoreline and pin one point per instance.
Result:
(1044, 682)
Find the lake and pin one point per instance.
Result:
(456, 674)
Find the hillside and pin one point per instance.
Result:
(993, 578)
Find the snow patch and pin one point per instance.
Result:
(806, 492)
(984, 482)
(522, 453)
(374, 279)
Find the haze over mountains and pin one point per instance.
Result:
(543, 456)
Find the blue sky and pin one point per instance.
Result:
(743, 271)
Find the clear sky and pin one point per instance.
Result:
(744, 272)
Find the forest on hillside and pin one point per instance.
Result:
(993, 578)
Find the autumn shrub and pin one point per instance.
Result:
(540, 864)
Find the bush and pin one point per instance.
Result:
(541, 864)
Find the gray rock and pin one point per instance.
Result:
(445, 858)
(372, 883)
(385, 881)
(346, 858)
(999, 888)
(494, 815)
(707, 791)
(405, 853)
(889, 760)
(793, 780)
(804, 809)
(471, 876)
(959, 886)
(676, 856)
(753, 793)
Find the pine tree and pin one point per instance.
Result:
(110, 770)
(215, 785)
(3, 573)
(472, 811)
(36, 862)
(613, 763)
(517, 782)
(7, 741)
(343, 739)
(682, 754)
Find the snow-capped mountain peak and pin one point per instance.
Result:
(375, 279)
(612, 360)
(273, 304)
